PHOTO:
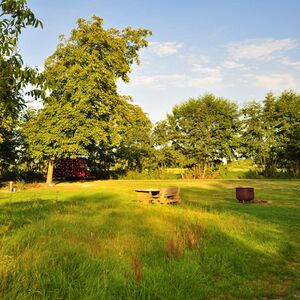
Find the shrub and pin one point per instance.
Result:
(20, 185)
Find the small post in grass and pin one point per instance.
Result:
(11, 186)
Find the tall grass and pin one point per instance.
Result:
(94, 241)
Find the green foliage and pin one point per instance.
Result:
(20, 185)
(167, 154)
(151, 175)
(134, 150)
(84, 114)
(292, 150)
(241, 168)
(14, 16)
(270, 132)
(204, 131)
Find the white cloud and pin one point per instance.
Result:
(288, 62)
(230, 64)
(159, 81)
(259, 49)
(164, 49)
(192, 59)
(206, 81)
(206, 76)
(206, 71)
(178, 80)
(274, 82)
(202, 59)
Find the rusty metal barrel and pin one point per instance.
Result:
(244, 194)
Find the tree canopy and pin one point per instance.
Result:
(14, 76)
(270, 132)
(84, 111)
(204, 131)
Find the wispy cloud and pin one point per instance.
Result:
(230, 64)
(205, 81)
(259, 49)
(178, 80)
(288, 62)
(206, 71)
(193, 59)
(274, 82)
(241, 66)
(160, 81)
(164, 49)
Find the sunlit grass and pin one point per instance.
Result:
(79, 241)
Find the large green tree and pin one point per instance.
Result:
(257, 140)
(270, 132)
(14, 76)
(287, 131)
(167, 152)
(84, 109)
(205, 131)
(135, 149)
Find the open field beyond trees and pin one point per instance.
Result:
(92, 240)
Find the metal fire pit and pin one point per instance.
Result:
(244, 194)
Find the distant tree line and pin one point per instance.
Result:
(202, 133)
(84, 116)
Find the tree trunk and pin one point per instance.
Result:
(264, 167)
(194, 174)
(50, 172)
(198, 171)
(204, 170)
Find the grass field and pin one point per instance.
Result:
(94, 241)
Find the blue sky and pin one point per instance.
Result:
(235, 49)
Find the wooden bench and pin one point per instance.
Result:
(168, 195)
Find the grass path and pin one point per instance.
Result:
(94, 241)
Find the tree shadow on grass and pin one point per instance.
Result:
(223, 267)
(18, 214)
(221, 200)
(21, 213)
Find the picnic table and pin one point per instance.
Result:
(146, 195)
(163, 195)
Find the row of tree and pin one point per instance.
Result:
(199, 135)
(84, 116)
(203, 133)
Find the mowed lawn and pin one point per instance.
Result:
(92, 240)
